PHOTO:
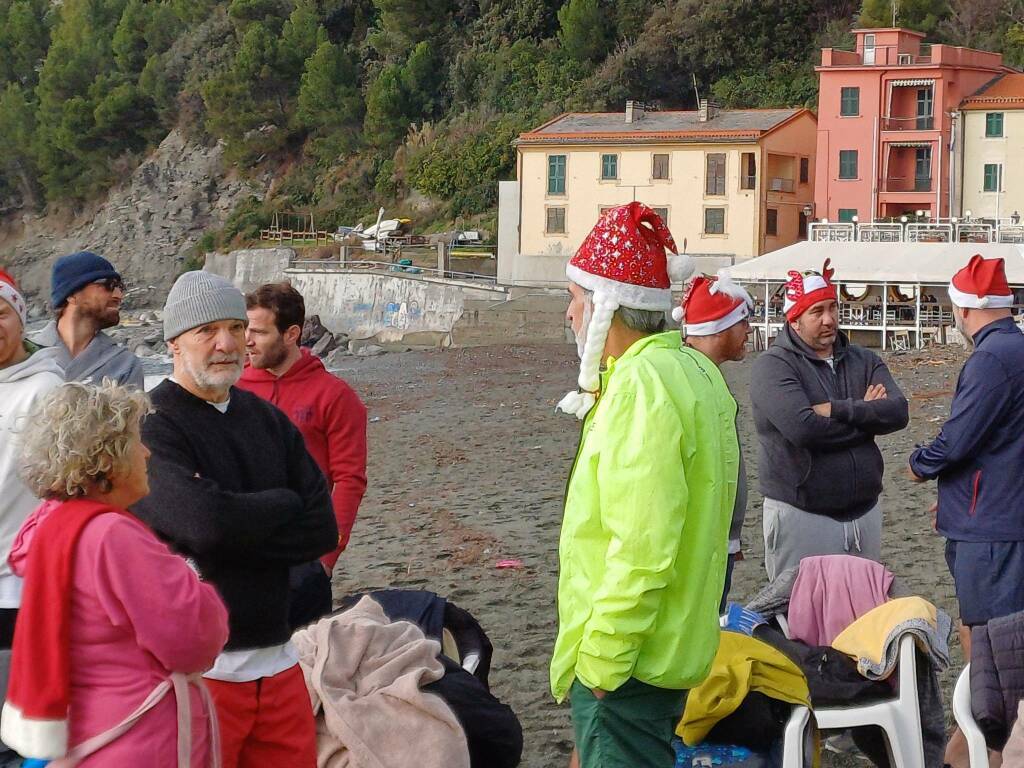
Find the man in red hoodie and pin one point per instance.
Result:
(327, 412)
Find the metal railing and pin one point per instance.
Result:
(330, 265)
(951, 230)
(921, 123)
(974, 233)
(880, 233)
(748, 182)
(904, 184)
(1011, 234)
(777, 184)
(821, 232)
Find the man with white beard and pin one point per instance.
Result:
(642, 556)
(233, 488)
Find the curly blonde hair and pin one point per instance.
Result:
(78, 436)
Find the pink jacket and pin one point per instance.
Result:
(138, 613)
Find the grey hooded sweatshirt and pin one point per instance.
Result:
(825, 465)
(102, 359)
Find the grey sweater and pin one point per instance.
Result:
(825, 465)
(102, 359)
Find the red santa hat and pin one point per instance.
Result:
(712, 305)
(805, 289)
(623, 263)
(981, 285)
(9, 292)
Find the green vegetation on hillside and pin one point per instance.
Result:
(411, 104)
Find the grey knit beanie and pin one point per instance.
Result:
(197, 298)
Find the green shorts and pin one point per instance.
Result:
(631, 727)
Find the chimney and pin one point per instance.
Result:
(706, 110)
(634, 111)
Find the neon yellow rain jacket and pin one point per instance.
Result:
(647, 510)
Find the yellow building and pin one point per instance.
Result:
(731, 184)
(992, 150)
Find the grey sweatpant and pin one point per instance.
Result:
(791, 534)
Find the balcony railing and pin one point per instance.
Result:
(902, 184)
(780, 185)
(748, 182)
(924, 123)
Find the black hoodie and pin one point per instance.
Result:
(826, 465)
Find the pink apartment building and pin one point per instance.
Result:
(885, 123)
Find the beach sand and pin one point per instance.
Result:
(468, 464)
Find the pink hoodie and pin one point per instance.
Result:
(138, 612)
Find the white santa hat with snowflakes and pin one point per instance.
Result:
(623, 263)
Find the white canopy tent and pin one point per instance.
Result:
(878, 267)
(876, 263)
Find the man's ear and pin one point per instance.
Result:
(292, 334)
(172, 345)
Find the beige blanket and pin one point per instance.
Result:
(364, 674)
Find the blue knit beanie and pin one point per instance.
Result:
(71, 273)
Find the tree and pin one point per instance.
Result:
(386, 117)
(919, 15)
(328, 95)
(299, 38)
(23, 39)
(129, 42)
(17, 124)
(421, 79)
(584, 31)
(404, 23)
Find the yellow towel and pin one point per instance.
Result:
(742, 664)
(865, 638)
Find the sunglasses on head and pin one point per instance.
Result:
(110, 283)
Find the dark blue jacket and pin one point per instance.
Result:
(978, 456)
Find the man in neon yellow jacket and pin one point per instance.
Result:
(648, 505)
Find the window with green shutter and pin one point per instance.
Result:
(993, 177)
(556, 174)
(846, 215)
(849, 102)
(714, 221)
(994, 125)
(555, 224)
(848, 164)
(609, 167)
(714, 179)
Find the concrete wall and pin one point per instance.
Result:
(979, 150)
(252, 267)
(508, 230)
(380, 306)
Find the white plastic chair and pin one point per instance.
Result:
(977, 749)
(899, 717)
(794, 740)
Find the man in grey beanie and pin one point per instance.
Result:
(233, 488)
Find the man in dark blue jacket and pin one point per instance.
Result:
(978, 457)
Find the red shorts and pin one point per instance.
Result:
(267, 723)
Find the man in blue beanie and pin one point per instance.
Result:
(85, 294)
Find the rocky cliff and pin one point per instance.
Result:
(147, 226)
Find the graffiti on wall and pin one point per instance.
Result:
(402, 315)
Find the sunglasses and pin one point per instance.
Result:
(110, 283)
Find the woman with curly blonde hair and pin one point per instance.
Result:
(114, 628)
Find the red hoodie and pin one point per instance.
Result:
(332, 419)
